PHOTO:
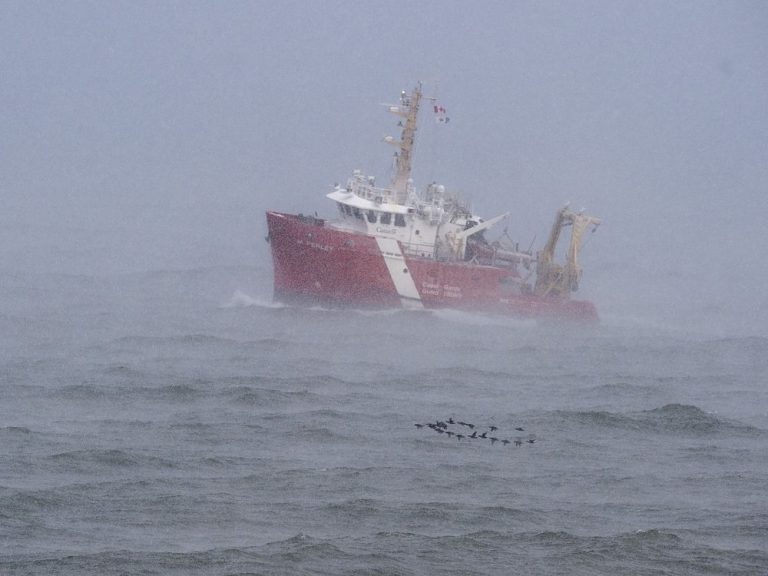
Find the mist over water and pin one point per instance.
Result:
(142, 137)
(162, 415)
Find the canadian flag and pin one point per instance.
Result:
(440, 114)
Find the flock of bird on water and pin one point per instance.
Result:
(442, 427)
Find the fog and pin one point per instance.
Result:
(143, 136)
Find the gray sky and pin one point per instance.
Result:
(149, 135)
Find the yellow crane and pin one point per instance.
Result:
(559, 280)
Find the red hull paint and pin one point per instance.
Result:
(316, 263)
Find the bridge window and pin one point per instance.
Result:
(386, 218)
(371, 216)
(357, 212)
(341, 207)
(399, 220)
(347, 209)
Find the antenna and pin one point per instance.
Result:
(530, 246)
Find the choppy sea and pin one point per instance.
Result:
(179, 422)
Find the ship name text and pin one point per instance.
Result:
(316, 245)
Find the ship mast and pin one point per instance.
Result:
(408, 109)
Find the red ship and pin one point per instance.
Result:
(399, 247)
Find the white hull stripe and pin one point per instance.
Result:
(398, 271)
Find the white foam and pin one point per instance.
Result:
(481, 319)
(242, 300)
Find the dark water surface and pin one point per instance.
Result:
(169, 423)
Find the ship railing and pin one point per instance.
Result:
(365, 189)
(418, 249)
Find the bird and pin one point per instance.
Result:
(442, 427)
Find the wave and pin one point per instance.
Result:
(354, 508)
(269, 344)
(265, 396)
(242, 300)
(635, 539)
(466, 374)
(646, 324)
(681, 418)
(753, 342)
(316, 433)
(622, 389)
(481, 319)
(419, 513)
(20, 503)
(168, 392)
(408, 552)
(15, 430)
(79, 392)
(177, 391)
(123, 371)
(687, 418)
(750, 350)
(105, 458)
(184, 339)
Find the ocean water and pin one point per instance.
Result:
(179, 422)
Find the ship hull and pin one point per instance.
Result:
(317, 264)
